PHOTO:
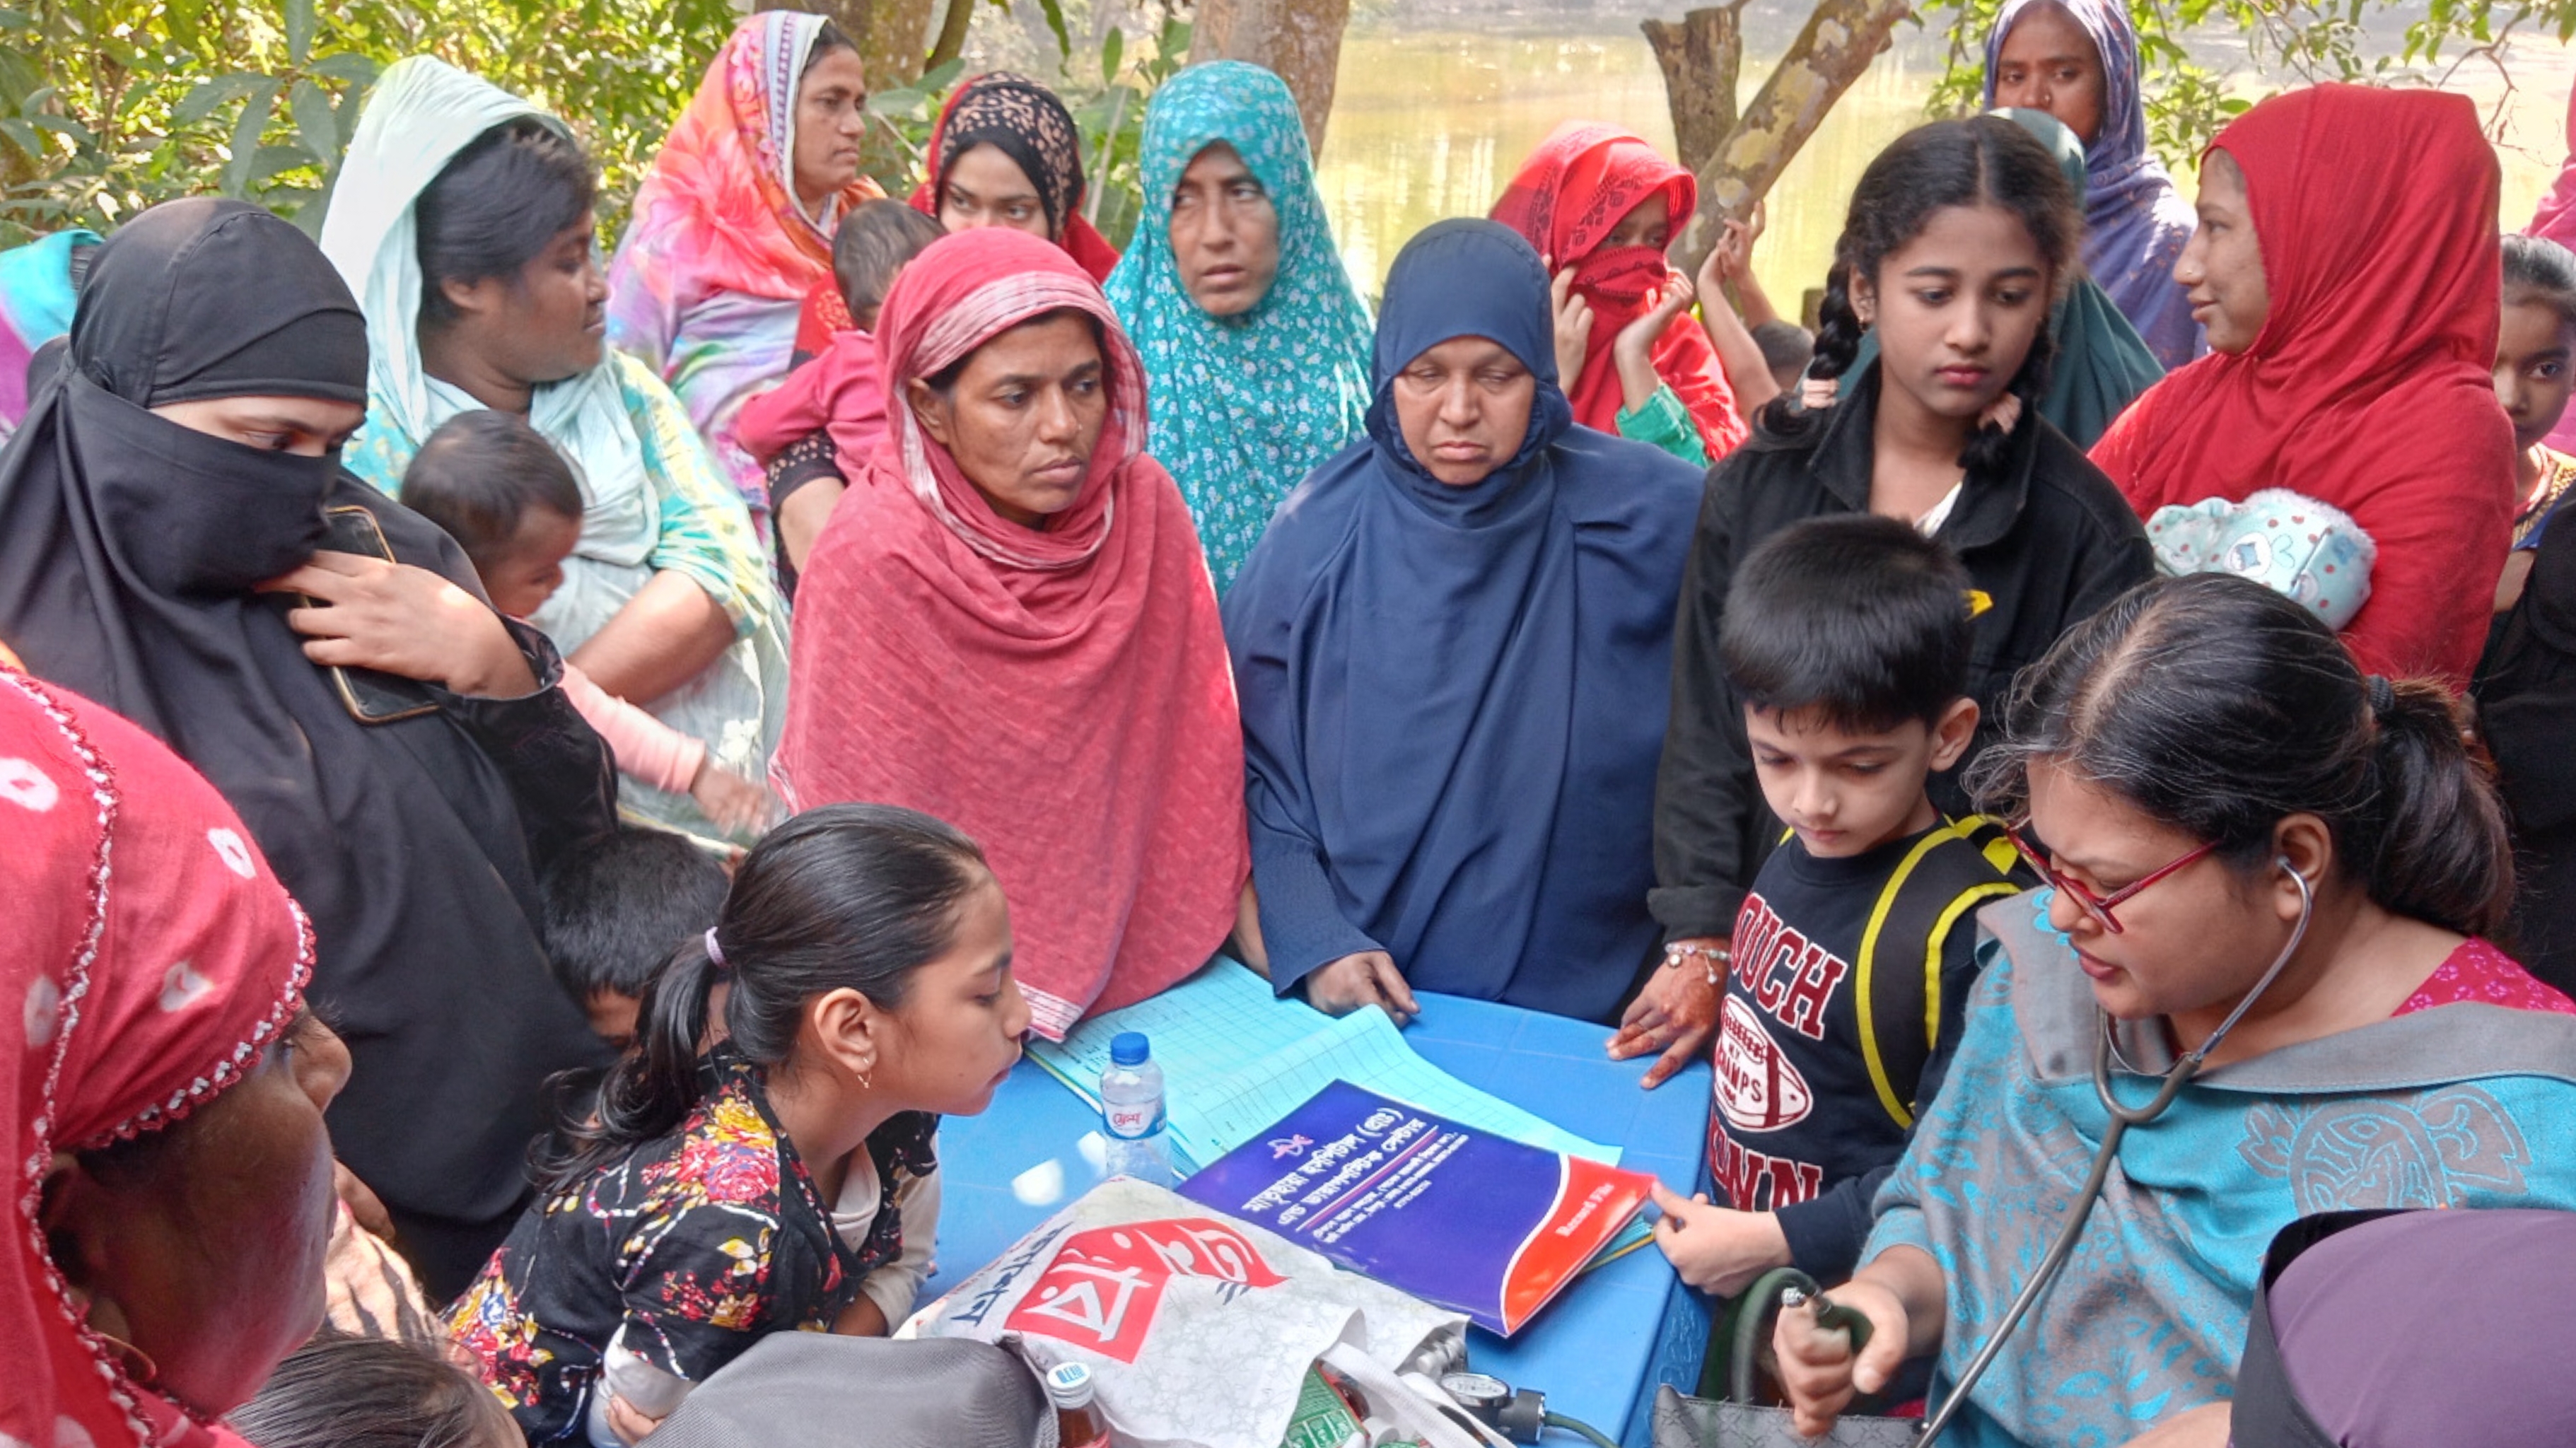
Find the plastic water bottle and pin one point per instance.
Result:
(1131, 1111)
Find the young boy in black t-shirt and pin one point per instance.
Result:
(1846, 640)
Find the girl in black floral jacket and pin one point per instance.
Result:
(785, 1179)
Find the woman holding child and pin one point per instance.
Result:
(464, 225)
(1007, 624)
(733, 227)
(2238, 829)
(177, 468)
(1453, 651)
(2346, 371)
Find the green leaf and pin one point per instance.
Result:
(16, 20)
(1113, 49)
(245, 137)
(270, 161)
(1054, 12)
(347, 65)
(79, 134)
(315, 125)
(212, 94)
(909, 105)
(300, 25)
(944, 76)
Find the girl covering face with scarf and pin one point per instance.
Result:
(1597, 201)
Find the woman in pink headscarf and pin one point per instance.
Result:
(1008, 624)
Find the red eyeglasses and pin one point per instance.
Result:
(2097, 906)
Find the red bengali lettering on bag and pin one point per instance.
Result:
(1102, 1288)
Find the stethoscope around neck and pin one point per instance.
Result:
(2106, 1049)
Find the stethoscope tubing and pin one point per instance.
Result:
(2176, 1077)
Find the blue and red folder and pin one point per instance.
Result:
(1458, 1217)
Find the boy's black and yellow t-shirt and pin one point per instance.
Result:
(1848, 981)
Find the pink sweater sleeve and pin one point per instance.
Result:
(644, 746)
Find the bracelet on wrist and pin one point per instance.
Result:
(1715, 959)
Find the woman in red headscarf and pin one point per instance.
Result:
(1598, 202)
(1008, 624)
(2343, 366)
(161, 1086)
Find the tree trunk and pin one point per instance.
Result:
(952, 34)
(1837, 44)
(1703, 62)
(893, 35)
(1301, 40)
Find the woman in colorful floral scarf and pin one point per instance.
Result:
(1256, 345)
(733, 228)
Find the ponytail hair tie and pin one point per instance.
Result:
(715, 953)
(2383, 694)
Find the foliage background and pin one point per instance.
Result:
(2287, 43)
(109, 106)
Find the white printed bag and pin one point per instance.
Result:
(1198, 1328)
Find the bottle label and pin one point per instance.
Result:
(1133, 1121)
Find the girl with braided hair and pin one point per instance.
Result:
(1961, 236)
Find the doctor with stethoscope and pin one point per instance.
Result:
(2254, 987)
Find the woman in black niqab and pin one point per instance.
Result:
(130, 549)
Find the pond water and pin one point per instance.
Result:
(1432, 116)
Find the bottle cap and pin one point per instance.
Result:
(1069, 1384)
(1130, 1048)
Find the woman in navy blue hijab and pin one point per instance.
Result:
(1453, 647)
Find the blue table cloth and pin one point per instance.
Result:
(1598, 1351)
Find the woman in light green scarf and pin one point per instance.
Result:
(667, 598)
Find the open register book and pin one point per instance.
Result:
(1458, 1217)
(1237, 1060)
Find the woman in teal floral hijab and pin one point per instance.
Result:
(1253, 380)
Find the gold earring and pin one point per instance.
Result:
(137, 1363)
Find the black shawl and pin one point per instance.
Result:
(129, 546)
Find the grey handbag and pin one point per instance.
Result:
(817, 1390)
(1740, 1421)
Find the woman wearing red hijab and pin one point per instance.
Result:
(161, 1086)
(1597, 201)
(1008, 624)
(2344, 365)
